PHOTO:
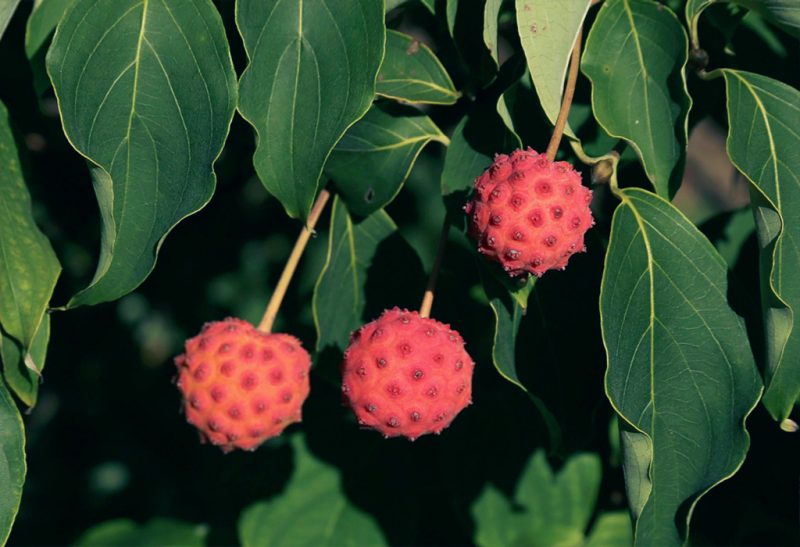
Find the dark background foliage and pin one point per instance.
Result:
(107, 439)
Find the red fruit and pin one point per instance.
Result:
(406, 375)
(528, 213)
(242, 386)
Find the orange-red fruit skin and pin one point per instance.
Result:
(528, 213)
(405, 375)
(241, 386)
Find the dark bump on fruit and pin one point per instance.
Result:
(439, 417)
(259, 407)
(227, 368)
(418, 374)
(217, 394)
(276, 376)
(247, 352)
(438, 358)
(404, 349)
(518, 236)
(213, 425)
(201, 372)
(288, 348)
(536, 218)
(278, 420)
(496, 220)
(495, 194)
(430, 332)
(249, 381)
(516, 202)
(393, 422)
(452, 337)
(490, 241)
(543, 187)
(576, 222)
(461, 388)
(459, 364)
(235, 412)
(194, 401)
(568, 190)
(286, 396)
(369, 407)
(377, 333)
(231, 437)
(224, 348)
(512, 254)
(550, 240)
(267, 354)
(405, 320)
(381, 362)
(557, 212)
(231, 328)
(203, 343)
(393, 390)
(433, 391)
(361, 371)
(255, 433)
(415, 416)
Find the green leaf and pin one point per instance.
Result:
(611, 529)
(491, 12)
(412, 73)
(339, 299)
(159, 532)
(28, 266)
(763, 143)
(635, 57)
(7, 9)
(146, 91)
(385, 143)
(23, 368)
(312, 511)
(550, 508)
(548, 31)
(680, 369)
(39, 29)
(783, 13)
(465, 21)
(12, 461)
(311, 75)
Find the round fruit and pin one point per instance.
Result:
(528, 213)
(406, 375)
(241, 386)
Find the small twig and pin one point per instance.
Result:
(291, 264)
(427, 300)
(566, 102)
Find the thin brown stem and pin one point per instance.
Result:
(566, 102)
(427, 300)
(291, 264)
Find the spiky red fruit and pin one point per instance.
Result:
(528, 213)
(242, 386)
(406, 375)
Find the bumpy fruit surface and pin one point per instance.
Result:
(405, 375)
(242, 386)
(528, 213)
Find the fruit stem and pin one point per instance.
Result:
(427, 299)
(566, 102)
(291, 264)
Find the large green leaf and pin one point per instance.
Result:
(7, 9)
(635, 55)
(40, 27)
(385, 143)
(491, 12)
(680, 369)
(311, 75)
(158, 532)
(551, 508)
(548, 31)
(313, 510)
(784, 13)
(12, 461)
(146, 91)
(23, 367)
(763, 143)
(28, 271)
(412, 73)
(339, 298)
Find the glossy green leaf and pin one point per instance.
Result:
(550, 508)
(547, 31)
(28, 266)
(23, 367)
(12, 461)
(763, 143)
(312, 511)
(375, 156)
(40, 27)
(412, 73)
(635, 55)
(680, 369)
(339, 297)
(158, 532)
(311, 75)
(146, 91)
(783, 13)
(7, 9)
(491, 12)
